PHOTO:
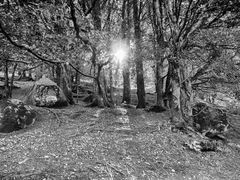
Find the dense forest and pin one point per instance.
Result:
(176, 58)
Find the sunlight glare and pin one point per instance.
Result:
(119, 50)
(120, 54)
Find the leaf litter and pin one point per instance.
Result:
(90, 143)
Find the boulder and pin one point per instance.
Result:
(156, 108)
(46, 93)
(15, 115)
(206, 117)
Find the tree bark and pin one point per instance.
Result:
(159, 82)
(6, 84)
(138, 61)
(102, 97)
(186, 95)
(126, 66)
(63, 83)
(58, 74)
(126, 86)
(159, 47)
(12, 80)
(96, 13)
(111, 81)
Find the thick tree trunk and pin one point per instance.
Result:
(102, 96)
(138, 61)
(182, 92)
(126, 9)
(62, 82)
(126, 86)
(66, 85)
(96, 14)
(167, 97)
(140, 84)
(186, 95)
(159, 83)
(58, 74)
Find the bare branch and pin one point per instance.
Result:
(91, 8)
(34, 67)
(86, 75)
(17, 61)
(24, 47)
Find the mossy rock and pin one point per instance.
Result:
(205, 117)
(46, 93)
(15, 115)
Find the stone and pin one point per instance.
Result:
(156, 108)
(46, 93)
(206, 117)
(15, 115)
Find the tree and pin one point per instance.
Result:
(126, 10)
(159, 44)
(22, 26)
(138, 59)
(180, 21)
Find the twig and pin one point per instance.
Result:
(200, 111)
(112, 167)
(57, 117)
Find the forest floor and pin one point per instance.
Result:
(77, 142)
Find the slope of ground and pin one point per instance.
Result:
(90, 143)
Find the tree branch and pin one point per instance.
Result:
(23, 47)
(91, 8)
(17, 61)
(86, 75)
(28, 69)
(215, 53)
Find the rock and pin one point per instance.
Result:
(215, 136)
(15, 115)
(208, 146)
(156, 108)
(202, 145)
(205, 118)
(125, 105)
(46, 93)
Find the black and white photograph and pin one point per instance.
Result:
(119, 89)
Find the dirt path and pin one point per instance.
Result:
(90, 143)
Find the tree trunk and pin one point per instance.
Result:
(12, 80)
(62, 82)
(6, 84)
(140, 85)
(116, 75)
(66, 85)
(126, 86)
(102, 97)
(139, 62)
(58, 74)
(186, 95)
(96, 14)
(182, 91)
(53, 72)
(159, 46)
(126, 66)
(111, 81)
(159, 82)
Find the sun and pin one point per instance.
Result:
(119, 50)
(120, 54)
